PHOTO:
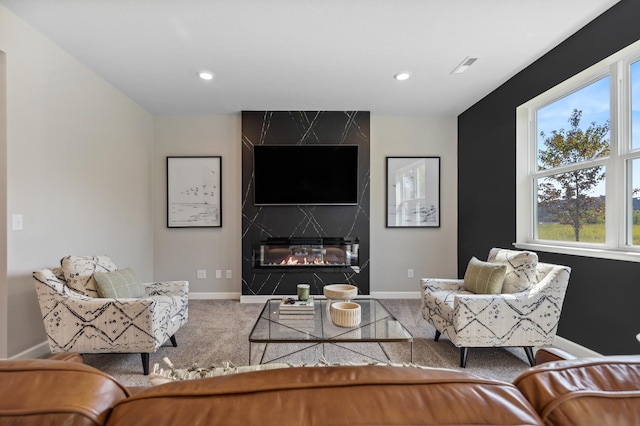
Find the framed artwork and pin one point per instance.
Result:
(413, 192)
(194, 186)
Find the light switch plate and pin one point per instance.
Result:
(18, 222)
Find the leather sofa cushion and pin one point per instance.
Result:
(331, 395)
(587, 391)
(53, 392)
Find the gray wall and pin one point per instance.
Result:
(600, 310)
(78, 169)
(179, 252)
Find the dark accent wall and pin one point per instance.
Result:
(600, 310)
(261, 222)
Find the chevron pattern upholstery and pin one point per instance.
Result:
(526, 318)
(75, 322)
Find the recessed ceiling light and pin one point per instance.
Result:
(206, 75)
(464, 65)
(401, 76)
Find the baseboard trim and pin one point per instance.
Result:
(36, 351)
(574, 348)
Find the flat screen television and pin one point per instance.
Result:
(305, 174)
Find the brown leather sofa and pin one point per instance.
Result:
(602, 391)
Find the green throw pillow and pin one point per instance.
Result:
(119, 284)
(483, 277)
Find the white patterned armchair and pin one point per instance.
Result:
(79, 318)
(524, 310)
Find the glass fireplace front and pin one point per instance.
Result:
(295, 252)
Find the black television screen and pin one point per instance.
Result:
(305, 174)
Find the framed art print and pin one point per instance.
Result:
(194, 196)
(413, 192)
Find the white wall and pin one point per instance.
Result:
(180, 252)
(3, 205)
(78, 170)
(430, 252)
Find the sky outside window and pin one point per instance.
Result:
(592, 100)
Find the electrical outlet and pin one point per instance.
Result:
(201, 274)
(218, 273)
(228, 273)
(409, 273)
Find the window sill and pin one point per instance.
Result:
(629, 256)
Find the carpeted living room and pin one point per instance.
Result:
(176, 176)
(211, 339)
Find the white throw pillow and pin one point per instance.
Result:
(521, 268)
(78, 272)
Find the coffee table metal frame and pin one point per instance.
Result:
(378, 325)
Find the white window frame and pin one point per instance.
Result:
(617, 219)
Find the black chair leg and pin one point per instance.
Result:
(463, 357)
(173, 341)
(435, 339)
(528, 350)
(145, 363)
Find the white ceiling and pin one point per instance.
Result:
(306, 54)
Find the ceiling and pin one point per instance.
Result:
(306, 54)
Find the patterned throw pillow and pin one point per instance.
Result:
(521, 268)
(483, 277)
(78, 272)
(119, 284)
(160, 376)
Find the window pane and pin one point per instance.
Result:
(571, 206)
(635, 105)
(634, 195)
(420, 171)
(574, 128)
(408, 185)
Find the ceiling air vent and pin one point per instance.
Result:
(468, 61)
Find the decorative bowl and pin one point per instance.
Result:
(340, 291)
(345, 314)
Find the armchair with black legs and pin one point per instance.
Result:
(90, 306)
(511, 300)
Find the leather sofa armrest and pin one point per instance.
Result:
(51, 392)
(585, 391)
(544, 355)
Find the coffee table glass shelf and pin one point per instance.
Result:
(377, 325)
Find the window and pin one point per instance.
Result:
(578, 165)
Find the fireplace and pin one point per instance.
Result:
(303, 253)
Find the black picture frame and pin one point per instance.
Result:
(194, 192)
(412, 192)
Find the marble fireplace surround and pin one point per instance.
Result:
(260, 223)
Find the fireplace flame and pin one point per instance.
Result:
(291, 260)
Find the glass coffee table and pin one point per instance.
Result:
(377, 325)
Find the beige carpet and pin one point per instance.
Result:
(218, 331)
